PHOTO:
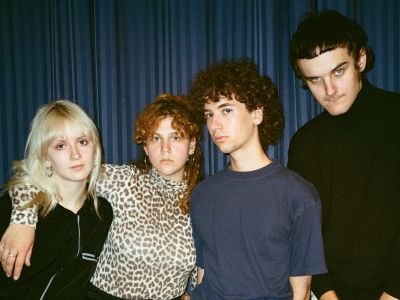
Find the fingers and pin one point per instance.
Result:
(8, 258)
(17, 240)
(28, 257)
(19, 263)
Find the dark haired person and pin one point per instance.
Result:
(256, 224)
(350, 152)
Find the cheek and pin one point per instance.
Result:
(152, 151)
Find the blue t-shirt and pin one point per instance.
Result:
(253, 230)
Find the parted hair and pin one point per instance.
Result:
(241, 79)
(49, 120)
(320, 32)
(185, 122)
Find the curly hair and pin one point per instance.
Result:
(186, 122)
(326, 31)
(241, 79)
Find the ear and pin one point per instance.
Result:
(362, 60)
(258, 115)
(145, 149)
(192, 146)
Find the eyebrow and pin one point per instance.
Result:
(335, 68)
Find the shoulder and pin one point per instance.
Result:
(297, 190)
(105, 209)
(119, 172)
(296, 184)
(309, 131)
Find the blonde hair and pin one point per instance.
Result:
(45, 126)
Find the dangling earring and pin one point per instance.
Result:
(49, 170)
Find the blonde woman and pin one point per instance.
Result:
(62, 162)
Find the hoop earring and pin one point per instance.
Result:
(145, 160)
(190, 159)
(48, 170)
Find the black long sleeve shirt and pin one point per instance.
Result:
(353, 160)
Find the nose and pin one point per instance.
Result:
(330, 86)
(75, 154)
(166, 146)
(213, 123)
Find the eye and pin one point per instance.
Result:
(226, 111)
(314, 79)
(176, 137)
(339, 72)
(154, 138)
(208, 115)
(60, 146)
(84, 142)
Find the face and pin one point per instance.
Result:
(168, 151)
(333, 79)
(232, 127)
(71, 155)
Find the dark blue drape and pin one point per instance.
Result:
(114, 57)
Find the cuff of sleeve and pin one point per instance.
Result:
(24, 217)
(392, 287)
(320, 284)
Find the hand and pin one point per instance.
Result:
(330, 295)
(16, 248)
(185, 296)
(386, 296)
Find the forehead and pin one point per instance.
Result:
(67, 128)
(165, 125)
(222, 102)
(325, 62)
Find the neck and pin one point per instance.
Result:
(73, 196)
(245, 162)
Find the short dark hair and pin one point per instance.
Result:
(325, 31)
(242, 79)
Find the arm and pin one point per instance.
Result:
(19, 236)
(301, 286)
(329, 295)
(113, 179)
(200, 275)
(299, 154)
(386, 296)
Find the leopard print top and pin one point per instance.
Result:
(149, 252)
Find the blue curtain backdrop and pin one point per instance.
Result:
(114, 57)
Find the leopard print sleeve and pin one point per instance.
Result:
(20, 196)
(113, 180)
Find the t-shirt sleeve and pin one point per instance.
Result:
(307, 251)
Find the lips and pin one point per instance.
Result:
(166, 161)
(77, 167)
(219, 138)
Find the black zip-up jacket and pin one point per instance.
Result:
(64, 254)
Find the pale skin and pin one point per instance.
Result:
(71, 156)
(168, 152)
(334, 79)
(234, 130)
